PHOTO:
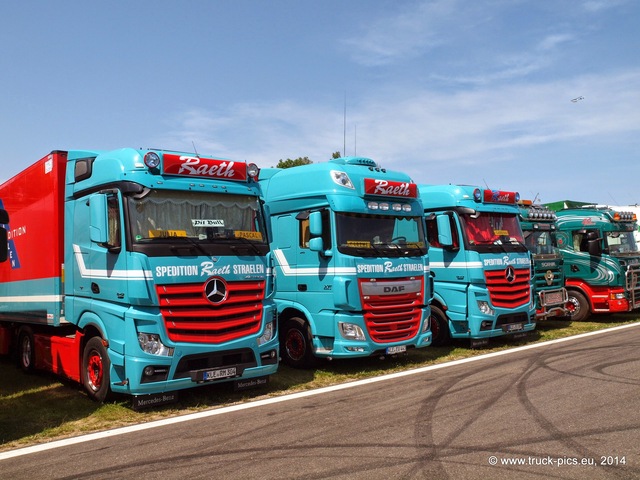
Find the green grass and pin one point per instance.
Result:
(40, 407)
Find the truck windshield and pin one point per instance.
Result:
(493, 229)
(541, 242)
(621, 242)
(165, 221)
(380, 235)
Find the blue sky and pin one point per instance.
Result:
(449, 91)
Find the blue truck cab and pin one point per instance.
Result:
(141, 272)
(351, 260)
(481, 267)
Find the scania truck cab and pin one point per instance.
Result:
(601, 260)
(352, 271)
(140, 272)
(539, 227)
(481, 267)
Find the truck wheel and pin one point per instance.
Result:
(439, 328)
(577, 306)
(26, 350)
(295, 344)
(95, 369)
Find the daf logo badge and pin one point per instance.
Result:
(215, 290)
(548, 276)
(510, 274)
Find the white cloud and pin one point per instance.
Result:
(407, 34)
(426, 127)
(596, 6)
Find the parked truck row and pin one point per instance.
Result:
(145, 272)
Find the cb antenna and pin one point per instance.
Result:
(344, 127)
(194, 149)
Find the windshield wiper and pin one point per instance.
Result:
(248, 244)
(192, 246)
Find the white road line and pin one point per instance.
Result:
(292, 396)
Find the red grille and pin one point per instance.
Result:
(189, 317)
(394, 317)
(509, 294)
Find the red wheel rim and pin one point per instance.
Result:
(295, 344)
(94, 371)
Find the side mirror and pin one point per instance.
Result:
(315, 224)
(316, 244)
(98, 219)
(445, 236)
(594, 247)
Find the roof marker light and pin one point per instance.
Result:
(253, 170)
(151, 159)
(342, 179)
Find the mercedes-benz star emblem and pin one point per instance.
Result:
(215, 290)
(510, 274)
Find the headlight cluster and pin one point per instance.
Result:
(268, 333)
(151, 343)
(351, 331)
(484, 307)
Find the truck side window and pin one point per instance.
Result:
(304, 233)
(581, 240)
(454, 232)
(432, 232)
(326, 230)
(114, 221)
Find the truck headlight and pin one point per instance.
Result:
(150, 343)
(267, 335)
(484, 307)
(351, 331)
(427, 325)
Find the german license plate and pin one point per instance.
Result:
(398, 349)
(553, 298)
(513, 327)
(219, 373)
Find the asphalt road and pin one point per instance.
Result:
(563, 410)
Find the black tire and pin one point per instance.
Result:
(95, 369)
(440, 334)
(296, 346)
(26, 350)
(577, 306)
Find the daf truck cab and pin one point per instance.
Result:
(351, 260)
